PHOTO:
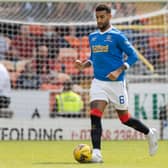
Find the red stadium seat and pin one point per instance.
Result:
(159, 44)
(73, 41)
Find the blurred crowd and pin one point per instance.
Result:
(42, 57)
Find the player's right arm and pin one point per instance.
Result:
(82, 65)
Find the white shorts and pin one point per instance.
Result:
(114, 92)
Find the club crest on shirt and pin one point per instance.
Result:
(108, 38)
(93, 39)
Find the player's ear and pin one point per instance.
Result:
(109, 16)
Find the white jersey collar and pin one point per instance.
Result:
(106, 30)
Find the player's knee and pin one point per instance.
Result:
(96, 112)
(124, 118)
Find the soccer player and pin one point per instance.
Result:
(108, 46)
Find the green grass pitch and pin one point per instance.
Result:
(58, 154)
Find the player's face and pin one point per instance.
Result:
(103, 20)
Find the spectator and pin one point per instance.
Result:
(50, 39)
(5, 89)
(10, 56)
(54, 81)
(41, 63)
(37, 70)
(68, 103)
(79, 48)
(24, 44)
(28, 79)
(36, 30)
(53, 39)
(4, 46)
(42, 66)
(50, 83)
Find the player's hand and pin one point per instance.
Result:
(78, 65)
(114, 74)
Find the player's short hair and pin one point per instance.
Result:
(68, 85)
(103, 7)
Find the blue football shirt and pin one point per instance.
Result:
(109, 51)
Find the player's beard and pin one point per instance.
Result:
(103, 26)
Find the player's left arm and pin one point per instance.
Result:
(129, 50)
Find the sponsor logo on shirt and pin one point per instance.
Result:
(100, 48)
